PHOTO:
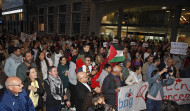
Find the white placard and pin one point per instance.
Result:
(133, 43)
(145, 45)
(179, 48)
(115, 41)
(105, 44)
(30, 37)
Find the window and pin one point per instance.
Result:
(41, 20)
(50, 23)
(62, 18)
(50, 10)
(41, 11)
(77, 6)
(41, 23)
(76, 17)
(20, 16)
(50, 19)
(62, 8)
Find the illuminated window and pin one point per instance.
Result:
(41, 27)
(20, 16)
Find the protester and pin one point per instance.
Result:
(137, 62)
(134, 77)
(152, 67)
(107, 69)
(156, 93)
(42, 65)
(84, 52)
(167, 63)
(94, 102)
(22, 68)
(111, 85)
(15, 98)
(13, 62)
(82, 89)
(34, 88)
(63, 72)
(72, 78)
(126, 69)
(55, 93)
(146, 65)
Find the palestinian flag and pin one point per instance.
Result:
(116, 53)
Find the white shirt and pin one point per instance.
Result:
(133, 77)
(87, 86)
(44, 69)
(57, 56)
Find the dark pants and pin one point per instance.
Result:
(73, 94)
(153, 105)
(56, 108)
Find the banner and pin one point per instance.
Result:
(179, 48)
(132, 98)
(29, 37)
(145, 45)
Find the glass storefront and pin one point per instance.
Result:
(153, 22)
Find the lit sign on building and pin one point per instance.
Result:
(13, 11)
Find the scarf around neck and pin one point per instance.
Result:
(56, 83)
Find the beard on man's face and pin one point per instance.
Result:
(29, 61)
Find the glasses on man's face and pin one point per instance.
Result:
(19, 85)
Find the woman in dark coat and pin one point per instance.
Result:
(34, 88)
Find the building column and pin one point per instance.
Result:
(119, 23)
(175, 25)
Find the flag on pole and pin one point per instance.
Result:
(116, 53)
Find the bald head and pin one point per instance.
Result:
(82, 77)
(116, 70)
(14, 84)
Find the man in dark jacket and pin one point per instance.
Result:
(111, 86)
(82, 90)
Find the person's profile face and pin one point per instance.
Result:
(16, 86)
(108, 69)
(18, 52)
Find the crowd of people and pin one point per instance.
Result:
(55, 72)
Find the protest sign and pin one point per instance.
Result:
(145, 45)
(179, 48)
(30, 37)
(115, 41)
(132, 98)
(105, 44)
(133, 43)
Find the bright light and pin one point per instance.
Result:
(167, 11)
(183, 9)
(13, 11)
(163, 8)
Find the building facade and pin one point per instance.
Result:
(147, 19)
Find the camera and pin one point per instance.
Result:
(169, 70)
